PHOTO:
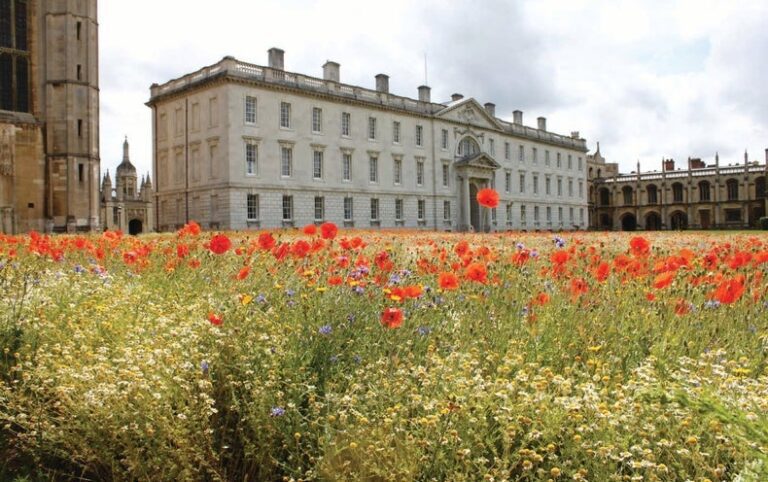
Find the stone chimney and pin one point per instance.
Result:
(382, 83)
(456, 97)
(490, 108)
(426, 96)
(697, 163)
(517, 117)
(542, 123)
(331, 71)
(575, 135)
(669, 164)
(276, 58)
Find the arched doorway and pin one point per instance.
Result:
(628, 222)
(652, 222)
(679, 220)
(134, 227)
(474, 208)
(605, 222)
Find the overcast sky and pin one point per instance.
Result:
(647, 79)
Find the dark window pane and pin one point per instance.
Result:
(21, 24)
(22, 84)
(5, 24)
(6, 82)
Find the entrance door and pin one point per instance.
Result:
(704, 218)
(474, 208)
(628, 222)
(134, 227)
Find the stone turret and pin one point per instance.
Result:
(146, 190)
(106, 187)
(126, 176)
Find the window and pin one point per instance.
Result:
(570, 215)
(251, 158)
(446, 174)
(549, 214)
(395, 132)
(570, 187)
(317, 165)
(507, 153)
(508, 213)
(319, 208)
(374, 209)
(348, 209)
(317, 120)
(493, 180)
(444, 139)
(285, 115)
(345, 124)
(522, 214)
(195, 164)
(398, 209)
(79, 29)
(252, 207)
(373, 169)
(195, 122)
(522, 154)
(286, 161)
(732, 186)
(492, 147)
(560, 215)
(419, 136)
(346, 166)
(546, 158)
(372, 128)
(507, 181)
(79, 71)
(559, 161)
(80, 172)
(627, 193)
(570, 161)
(419, 173)
(559, 187)
(732, 215)
(397, 175)
(677, 192)
(162, 126)
(580, 164)
(494, 215)
(115, 215)
(535, 155)
(79, 127)
(581, 188)
(421, 208)
(287, 208)
(535, 184)
(581, 215)
(535, 214)
(213, 112)
(652, 194)
(250, 110)
(548, 186)
(522, 183)
(446, 210)
(213, 160)
(703, 191)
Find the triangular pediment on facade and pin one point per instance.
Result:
(469, 111)
(481, 161)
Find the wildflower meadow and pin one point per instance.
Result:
(326, 354)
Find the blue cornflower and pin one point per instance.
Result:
(325, 330)
(424, 330)
(261, 299)
(712, 304)
(290, 292)
(204, 367)
(79, 269)
(520, 246)
(277, 412)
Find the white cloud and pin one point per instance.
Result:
(649, 79)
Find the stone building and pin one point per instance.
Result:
(700, 196)
(240, 146)
(49, 115)
(125, 207)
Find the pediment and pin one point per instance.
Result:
(480, 161)
(469, 111)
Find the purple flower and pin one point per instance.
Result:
(325, 330)
(204, 367)
(277, 412)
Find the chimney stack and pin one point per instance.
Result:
(518, 117)
(490, 108)
(425, 96)
(456, 97)
(331, 71)
(575, 135)
(669, 164)
(276, 57)
(542, 123)
(382, 83)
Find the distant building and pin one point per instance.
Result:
(698, 197)
(49, 116)
(127, 208)
(240, 146)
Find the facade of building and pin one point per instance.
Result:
(125, 207)
(700, 196)
(240, 146)
(49, 115)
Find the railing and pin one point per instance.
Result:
(708, 171)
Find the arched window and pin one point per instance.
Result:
(704, 191)
(653, 194)
(732, 186)
(627, 192)
(599, 173)
(468, 147)
(605, 197)
(677, 192)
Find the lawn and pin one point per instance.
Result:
(320, 354)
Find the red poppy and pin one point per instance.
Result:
(540, 299)
(182, 250)
(639, 246)
(413, 291)
(335, 280)
(310, 229)
(266, 241)
(559, 257)
(578, 287)
(603, 271)
(476, 272)
(392, 317)
(244, 273)
(682, 307)
(663, 280)
(215, 319)
(219, 244)
(488, 197)
(730, 291)
(328, 230)
(448, 281)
